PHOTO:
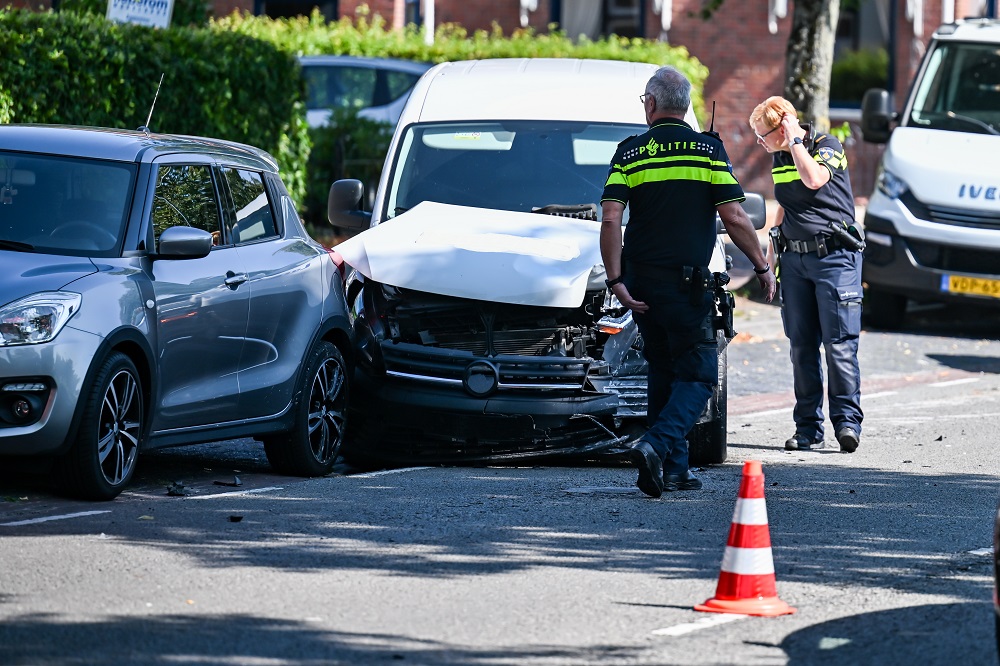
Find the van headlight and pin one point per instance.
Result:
(889, 184)
(37, 318)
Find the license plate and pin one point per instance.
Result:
(960, 284)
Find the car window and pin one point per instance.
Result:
(339, 87)
(254, 217)
(64, 205)
(530, 164)
(185, 197)
(397, 84)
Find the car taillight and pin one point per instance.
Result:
(338, 262)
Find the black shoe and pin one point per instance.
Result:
(650, 467)
(685, 481)
(799, 442)
(849, 439)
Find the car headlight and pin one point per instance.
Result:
(889, 184)
(37, 318)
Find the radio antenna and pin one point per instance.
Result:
(145, 128)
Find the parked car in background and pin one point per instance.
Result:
(376, 87)
(485, 330)
(160, 290)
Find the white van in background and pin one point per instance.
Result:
(933, 221)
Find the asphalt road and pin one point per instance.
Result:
(884, 553)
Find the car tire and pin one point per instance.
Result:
(707, 442)
(311, 446)
(103, 457)
(884, 310)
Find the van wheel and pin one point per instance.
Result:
(311, 446)
(707, 442)
(884, 310)
(103, 458)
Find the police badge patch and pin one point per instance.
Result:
(826, 154)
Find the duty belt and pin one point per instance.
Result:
(802, 247)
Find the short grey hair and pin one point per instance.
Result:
(670, 89)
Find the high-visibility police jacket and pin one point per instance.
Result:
(672, 178)
(807, 211)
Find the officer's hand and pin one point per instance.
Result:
(626, 299)
(768, 284)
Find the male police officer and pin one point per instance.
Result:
(674, 179)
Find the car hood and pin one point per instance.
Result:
(25, 274)
(493, 255)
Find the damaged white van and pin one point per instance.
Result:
(485, 330)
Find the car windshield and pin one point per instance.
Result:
(63, 205)
(514, 166)
(960, 89)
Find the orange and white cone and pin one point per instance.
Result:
(746, 583)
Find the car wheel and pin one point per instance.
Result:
(884, 310)
(708, 441)
(311, 447)
(103, 457)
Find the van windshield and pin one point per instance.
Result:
(513, 166)
(960, 89)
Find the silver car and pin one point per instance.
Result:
(161, 290)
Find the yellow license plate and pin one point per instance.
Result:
(960, 284)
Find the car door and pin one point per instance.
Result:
(287, 287)
(202, 305)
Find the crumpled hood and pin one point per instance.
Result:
(24, 273)
(484, 254)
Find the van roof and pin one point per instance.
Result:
(970, 30)
(563, 89)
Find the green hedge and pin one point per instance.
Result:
(857, 71)
(237, 78)
(79, 69)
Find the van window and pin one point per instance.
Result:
(512, 166)
(960, 89)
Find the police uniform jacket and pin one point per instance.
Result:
(808, 212)
(672, 178)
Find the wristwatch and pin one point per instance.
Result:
(797, 141)
(611, 283)
(767, 266)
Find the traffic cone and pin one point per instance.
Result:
(746, 583)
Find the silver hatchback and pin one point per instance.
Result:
(161, 290)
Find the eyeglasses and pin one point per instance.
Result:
(761, 137)
(642, 97)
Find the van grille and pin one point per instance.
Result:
(959, 217)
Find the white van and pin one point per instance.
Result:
(484, 329)
(933, 221)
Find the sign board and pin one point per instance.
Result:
(153, 13)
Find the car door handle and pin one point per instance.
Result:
(233, 280)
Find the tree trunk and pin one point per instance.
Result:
(809, 59)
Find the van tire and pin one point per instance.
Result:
(884, 309)
(707, 442)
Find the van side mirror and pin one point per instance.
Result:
(754, 207)
(876, 115)
(344, 207)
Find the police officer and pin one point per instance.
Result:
(820, 273)
(673, 179)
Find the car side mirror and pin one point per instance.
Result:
(876, 115)
(754, 207)
(184, 243)
(344, 205)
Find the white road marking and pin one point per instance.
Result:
(880, 394)
(255, 491)
(702, 623)
(65, 516)
(954, 382)
(368, 475)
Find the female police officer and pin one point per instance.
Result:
(820, 274)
